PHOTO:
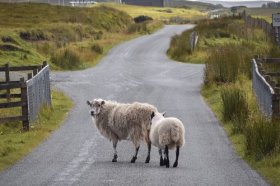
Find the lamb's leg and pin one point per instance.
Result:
(135, 156)
(177, 156)
(149, 151)
(161, 163)
(115, 151)
(166, 158)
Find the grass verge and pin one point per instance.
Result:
(15, 144)
(226, 46)
(268, 166)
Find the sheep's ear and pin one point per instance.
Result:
(102, 102)
(152, 115)
(88, 102)
(163, 114)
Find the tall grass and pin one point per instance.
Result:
(35, 32)
(262, 137)
(227, 62)
(228, 88)
(15, 144)
(67, 59)
(235, 107)
(179, 46)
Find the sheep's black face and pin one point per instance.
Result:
(95, 106)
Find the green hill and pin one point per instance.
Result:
(31, 32)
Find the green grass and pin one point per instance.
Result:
(219, 33)
(15, 144)
(264, 13)
(269, 165)
(158, 12)
(39, 31)
(227, 46)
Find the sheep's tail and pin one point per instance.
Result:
(170, 137)
(175, 133)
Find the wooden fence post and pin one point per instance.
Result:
(24, 108)
(7, 74)
(45, 63)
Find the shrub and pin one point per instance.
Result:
(179, 20)
(8, 39)
(142, 18)
(262, 137)
(228, 61)
(222, 65)
(235, 107)
(98, 35)
(138, 27)
(179, 46)
(66, 59)
(97, 48)
(33, 35)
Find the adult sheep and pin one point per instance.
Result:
(167, 133)
(119, 121)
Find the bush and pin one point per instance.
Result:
(262, 137)
(8, 39)
(222, 65)
(228, 61)
(67, 59)
(142, 18)
(138, 27)
(179, 46)
(98, 35)
(97, 48)
(33, 35)
(235, 107)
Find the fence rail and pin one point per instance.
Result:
(266, 89)
(34, 92)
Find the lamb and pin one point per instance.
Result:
(167, 133)
(119, 121)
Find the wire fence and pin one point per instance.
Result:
(38, 93)
(30, 95)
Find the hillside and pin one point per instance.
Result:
(237, 3)
(31, 33)
(159, 13)
(195, 4)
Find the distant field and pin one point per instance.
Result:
(157, 12)
(265, 13)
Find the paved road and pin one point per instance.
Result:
(137, 70)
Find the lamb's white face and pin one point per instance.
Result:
(157, 116)
(95, 106)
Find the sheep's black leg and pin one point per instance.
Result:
(135, 156)
(166, 158)
(149, 152)
(177, 156)
(115, 151)
(161, 163)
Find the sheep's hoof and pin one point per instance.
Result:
(133, 159)
(161, 163)
(167, 165)
(147, 160)
(115, 158)
(175, 164)
(166, 162)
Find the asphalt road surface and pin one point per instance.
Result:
(137, 70)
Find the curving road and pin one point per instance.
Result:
(137, 70)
